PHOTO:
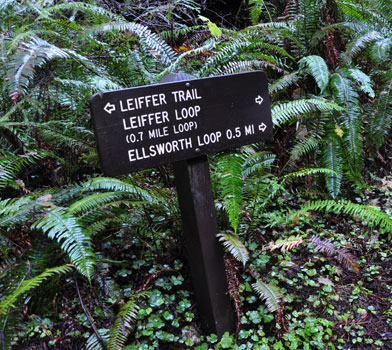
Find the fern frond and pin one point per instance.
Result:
(29, 56)
(322, 246)
(364, 212)
(304, 146)
(64, 228)
(317, 67)
(347, 260)
(231, 183)
(94, 10)
(150, 40)
(256, 162)
(355, 46)
(245, 66)
(380, 114)
(269, 293)
(306, 172)
(342, 255)
(234, 245)
(363, 80)
(65, 134)
(381, 50)
(84, 205)
(123, 323)
(110, 184)
(283, 82)
(343, 90)
(11, 164)
(332, 159)
(92, 343)
(10, 300)
(15, 211)
(284, 112)
(285, 244)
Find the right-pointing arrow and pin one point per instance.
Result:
(262, 127)
(109, 108)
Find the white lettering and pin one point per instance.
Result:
(140, 102)
(182, 95)
(188, 126)
(187, 112)
(138, 121)
(209, 138)
(159, 149)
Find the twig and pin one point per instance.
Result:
(86, 312)
(2, 339)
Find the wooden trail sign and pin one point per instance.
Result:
(143, 127)
(179, 121)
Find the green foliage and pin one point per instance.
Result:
(363, 212)
(26, 285)
(317, 68)
(329, 68)
(288, 111)
(233, 244)
(64, 228)
(270, 293)
(122, 324)
(230, 168)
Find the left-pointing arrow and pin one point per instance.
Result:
(109, 108)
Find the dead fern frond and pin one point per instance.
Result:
(347, 260)
(322, 246)
(343, 256)
(285, 244)
(232, 273)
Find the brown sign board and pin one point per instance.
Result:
(143, 127)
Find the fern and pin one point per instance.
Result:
(306, 172)
(355, 46)
(110, 184)
(256, 162)
(230, 168)
(332, 160)
(63, 227)
(342, 255)
(10, 165)
(269, 293)
(287, 111)
(93, 201)
(123, 322)
(29, 56)
(17, 210)
(285, 244)
(381, 114)
(317, 68)
(283, 82)
(236, 248)
(95, 11)
(92, 343)
(364, 212)
(363, 80)
(10, 300)
(149, 39)
(381, 49)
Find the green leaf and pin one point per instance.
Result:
(317, 67)
(235, 246)
(9, 301)
(268, 292)
(215, 31)
(230, 167)
(64, 228)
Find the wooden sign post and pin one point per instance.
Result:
(180, 121)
